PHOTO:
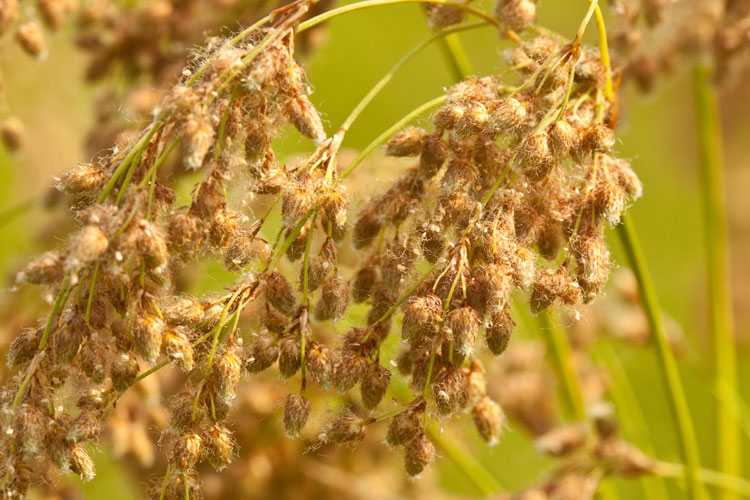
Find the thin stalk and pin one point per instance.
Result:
(667, 362)
(456, 57)
(724, 482)
(90, 298)
(144, 140)
(401, 63)
(631, 416)
(373, 3)
(560, 348)
(716, 236)
(62, 296)
(382, 138)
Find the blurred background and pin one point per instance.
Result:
(657, 132)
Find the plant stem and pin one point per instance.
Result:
(560, 347)
(717, 269)
(458, 62)
(724, 482)
(667, 362)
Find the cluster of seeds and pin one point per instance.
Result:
(509, 193)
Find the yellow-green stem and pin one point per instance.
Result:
(716, 237)
(561, 353)
(667, 362)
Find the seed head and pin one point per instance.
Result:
(488, 419)
(280, 294)
(334, 300)
(422, 317)
(408, 142)
(562, 138)
(296, 412)
(508, 116)
(12, 131)
(261, 354)
(600, 138)
(93, 358)
(375, 383)
(124, 371)
(418, 453)
(554, 284)
(88, 246)
(463, 323)
(334, 211)
(345, 428)
(179, 348)
(289, 356)
(31, 39)
(367, 228)
(199, 136)
(498, 331)
(515, 14)
(220, 446)
(305, 118)
(405, 425)
(148, 330)
(450, 391)
(185, 312)
(563, 440)
(319, 363)
(434, 153)
(534, 156)
(86, 178)
(592, 258)
(364, 282)
(30, 427)
(296, 200)
(440, 16)
(81, 463)
(187, 450)
(8, 14)
(24, 346)
(44, 270)
(348, 371)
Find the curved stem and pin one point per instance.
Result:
(717, 268)
(724, 482)
(372, 3)
(667, 362)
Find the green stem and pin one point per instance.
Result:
(716, 236)
(62, 296)
(738, 486)
(560, 348)
(373, 3)
(456, 57)
(667, 362)
(90, 298)
(631, 416)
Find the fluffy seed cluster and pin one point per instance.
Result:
(508, 192)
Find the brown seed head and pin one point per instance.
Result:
(375, 383)
(148, 330)
(418, 453)
(261, 354)
(187, 450)
(296, 412)
(407, 142)
(345, 428)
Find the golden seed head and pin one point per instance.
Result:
(179, 348)
(220, 446)
(187, 450)
(31, 39)
(81, 463)
(488, 419)
(148, 330)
